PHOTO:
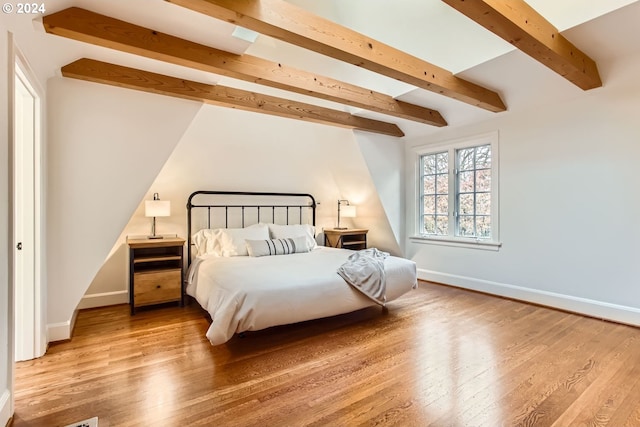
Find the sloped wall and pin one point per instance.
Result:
(385, 160)
(106, 146)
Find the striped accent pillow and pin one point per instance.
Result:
(287, 246)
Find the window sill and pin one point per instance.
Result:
(459, 243)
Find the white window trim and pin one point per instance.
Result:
(491, 138)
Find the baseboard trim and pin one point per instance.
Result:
(59, 331)
(64, 330)
(5, 408)
(587, 307)
(104, 299)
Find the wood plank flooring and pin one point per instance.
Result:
(440, 357)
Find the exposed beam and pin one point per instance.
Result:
(131, 78)
(284, 21)
(519, 24)
(86, 26)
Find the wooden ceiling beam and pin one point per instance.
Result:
(131, 78)
(289, 23)
(519, 24)
(86, 26)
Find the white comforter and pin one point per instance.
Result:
(251, 293)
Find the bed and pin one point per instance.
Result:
(255, 263)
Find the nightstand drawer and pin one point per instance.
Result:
(154, 287)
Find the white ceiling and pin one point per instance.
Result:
(607, 30)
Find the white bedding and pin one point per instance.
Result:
(245, 293)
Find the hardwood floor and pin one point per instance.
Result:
(440, 357)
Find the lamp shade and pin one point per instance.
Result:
(348, 211)
(156, 208)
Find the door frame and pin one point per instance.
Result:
(18, 61)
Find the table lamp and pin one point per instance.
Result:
(155, 208)
(346, 210)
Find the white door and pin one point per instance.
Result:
(25, 169)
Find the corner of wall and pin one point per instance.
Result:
(6, 289)
(384, 159)
(63, 330)
(5, 408)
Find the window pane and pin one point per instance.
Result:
(429, 205)
(483, 180)
(474, 191)
(435, 189)
(483, 157)
(429, 164)
(442, 161)
(429, 185)
(429, 224)
(465, 159)
(483, 204)
(443, 183)
(466, 226)
(466, 204)
(465, 182)
(442, 225)
(442, 204)
(483, 227)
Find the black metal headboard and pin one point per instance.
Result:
(225, 209)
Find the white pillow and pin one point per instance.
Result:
(228, 241)
(287, 246)
(294, 230)
(234, 239)
(207, 242)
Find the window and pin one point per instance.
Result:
(473, 192)
(435, 194)
(458, 191)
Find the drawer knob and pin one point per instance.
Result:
(158, 287)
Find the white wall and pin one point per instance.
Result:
(568, 205)
(385, 160)
(106, 146)
(6, 364)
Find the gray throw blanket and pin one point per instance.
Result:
(364, 271)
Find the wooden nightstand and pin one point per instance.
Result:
(155, 271)
(351, 238)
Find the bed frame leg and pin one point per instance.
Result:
(385, 309)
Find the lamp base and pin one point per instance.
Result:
(340, 228)
(155, 237)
